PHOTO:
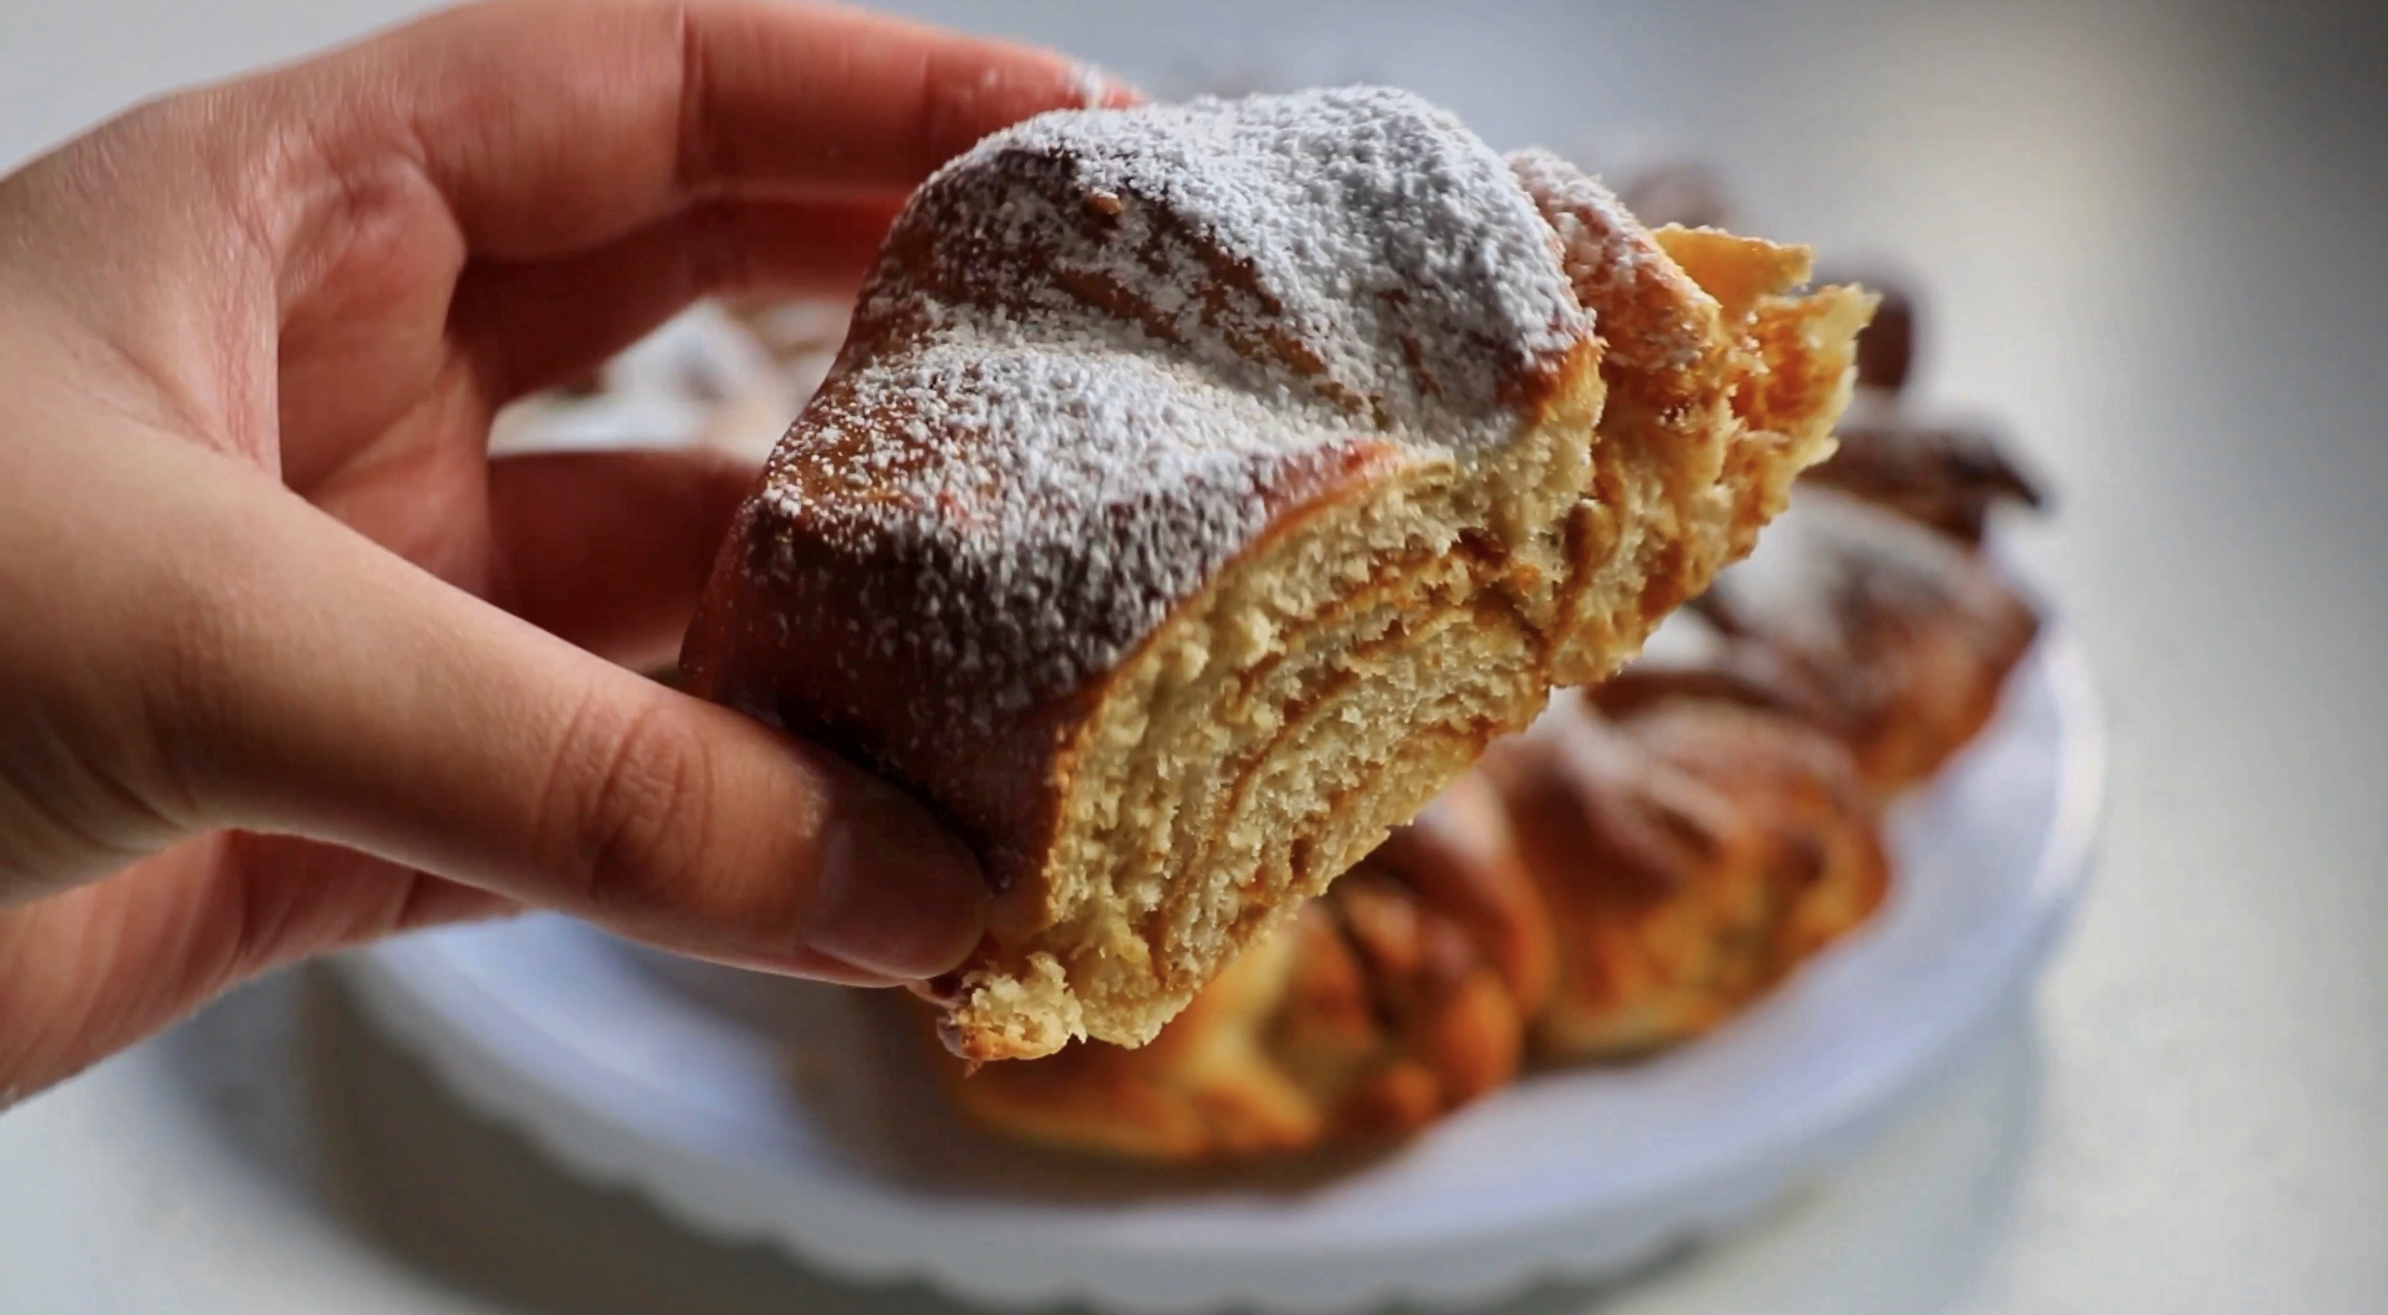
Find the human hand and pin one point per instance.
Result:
(286, 661)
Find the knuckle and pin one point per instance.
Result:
(717, 253)
(636, 786)
(201, 625)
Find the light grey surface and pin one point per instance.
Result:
(278, 1156)
(2151, 234)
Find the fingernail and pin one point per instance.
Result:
(898, 894)
(1097, 88)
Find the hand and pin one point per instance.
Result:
(286, 661)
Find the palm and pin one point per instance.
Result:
(382, 417)
(385, 432)
(337, 273)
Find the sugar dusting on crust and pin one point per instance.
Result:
(1612, 270)
(1103, 347)
(1832, 568)
(1042, 559)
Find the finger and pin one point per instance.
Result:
(300, 679)
(610, 549)
(97, 968)
(528, 326)
(261, 901)
(273, 900)
(554, 125)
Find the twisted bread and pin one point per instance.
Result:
(1945, 476)
(1679, 854)
(1200, 489)
(1691, 856)
(1593, 890)
(1376, 1011)
(1884, 633)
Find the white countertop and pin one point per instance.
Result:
(2153, 238)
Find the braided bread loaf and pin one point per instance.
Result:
(1201, 488)
(1641, 866)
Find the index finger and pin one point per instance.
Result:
(550, 126)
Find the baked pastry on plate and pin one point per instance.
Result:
(1594, 890)
(1692, 854)
(1376, 1011)
(1201, 488)
(1887, 634)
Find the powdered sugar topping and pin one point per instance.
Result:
(1614, 265)
(1104, 347)
(1829, 568)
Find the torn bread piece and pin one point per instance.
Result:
(1201, 488)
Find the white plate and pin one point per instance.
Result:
(841, 1153)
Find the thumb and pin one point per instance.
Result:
(331, 690)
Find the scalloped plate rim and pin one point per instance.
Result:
(399, 982)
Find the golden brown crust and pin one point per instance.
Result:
(1648, 878)
(1372, 1014)
(1724, 385)
(1691, 857)
(1202, 1090)
(1462, 859)
(1946, 476)
(1393, 1015)
(1884, 633)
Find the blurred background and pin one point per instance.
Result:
(2151, 238)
